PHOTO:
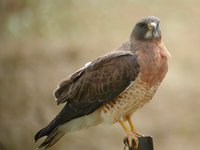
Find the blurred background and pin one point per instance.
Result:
(41, 42)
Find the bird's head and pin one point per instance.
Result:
(147, 29)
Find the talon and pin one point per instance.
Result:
(131, 134)
(128, 141)
(125, 141)
(136, 144)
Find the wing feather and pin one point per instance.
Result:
(92, 86)
(93, 83)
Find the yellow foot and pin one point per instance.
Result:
(129, 138)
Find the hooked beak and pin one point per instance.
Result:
(152, 26)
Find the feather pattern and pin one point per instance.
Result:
(112, 86)
(90, 87)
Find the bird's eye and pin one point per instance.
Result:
(142, 25)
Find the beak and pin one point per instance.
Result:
(152, 26)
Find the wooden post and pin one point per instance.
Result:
(145, 143)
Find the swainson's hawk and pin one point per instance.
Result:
(111, 88)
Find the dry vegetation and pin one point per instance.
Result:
(43, 41)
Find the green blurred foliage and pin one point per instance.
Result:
(41, 42)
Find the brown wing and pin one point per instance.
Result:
(88, 88)
(99, 80)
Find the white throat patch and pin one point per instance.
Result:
(149, 35)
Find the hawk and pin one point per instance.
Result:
(112, 87)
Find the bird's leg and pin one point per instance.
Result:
(131, 124)
(133, 129)
(130, 135)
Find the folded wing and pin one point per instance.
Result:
(92, 86)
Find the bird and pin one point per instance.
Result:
(111, 88)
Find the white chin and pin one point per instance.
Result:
(149, 35)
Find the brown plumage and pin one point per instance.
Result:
(112, 87)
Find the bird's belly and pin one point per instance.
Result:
(134, 97)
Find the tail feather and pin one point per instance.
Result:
(52, 138)
(39, 134)
(46, 131)
(52, 130)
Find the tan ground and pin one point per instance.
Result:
(41, 42)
